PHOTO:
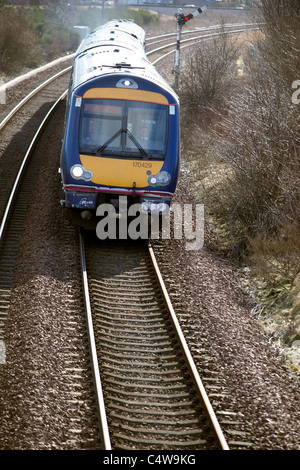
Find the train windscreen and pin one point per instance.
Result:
(123, 128)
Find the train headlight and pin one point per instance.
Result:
(80, 173)
(77, 171)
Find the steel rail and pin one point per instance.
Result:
(96, 372)
(104, 427)
(196, 39)
(203, 29)
(31, 94)
(206, 402)
(24, 162)
(202, 396)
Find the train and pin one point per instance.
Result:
(121, 133)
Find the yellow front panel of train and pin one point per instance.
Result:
(120, 172)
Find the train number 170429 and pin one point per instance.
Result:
(142, 164)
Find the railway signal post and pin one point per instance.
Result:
(181, 20)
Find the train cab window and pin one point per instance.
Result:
(99, 121)
(148, 124)
(123, 128)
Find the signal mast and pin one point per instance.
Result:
(181, 20)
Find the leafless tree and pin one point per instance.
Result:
(280, 49)
(207, 74)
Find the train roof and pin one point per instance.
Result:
(116, 47)
(116, 32)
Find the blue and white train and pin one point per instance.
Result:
(122, 131)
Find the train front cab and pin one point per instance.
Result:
(127, 144)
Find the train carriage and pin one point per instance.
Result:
(122, 132)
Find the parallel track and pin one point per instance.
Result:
(11, 224)
(204, 29)
(13, 217)
(30, 95)
(195, 39)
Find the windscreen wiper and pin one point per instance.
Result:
(131, 137)
(137, 144)
(110, 140)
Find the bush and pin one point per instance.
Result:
(93, 16)
(207, 77)
(277, 256)
(254, 143)
(57, 40)
(54, 36)
(18, 42)
(259, 141)
(259, 199)
(32, 36)
(280, 50)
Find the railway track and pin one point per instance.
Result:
(13, 214)
(162, 38)
(197, 35)
(19, 126)
(42, 90)
(153, 395)
(25, 122)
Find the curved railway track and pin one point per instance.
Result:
(19, 126)
(197, 35)
(153, 395)
(25, 122)
(13, 214)
(239, 27)
(40, 88)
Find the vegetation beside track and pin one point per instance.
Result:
(241, 137)
(31, 36)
